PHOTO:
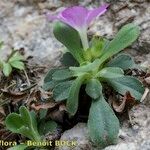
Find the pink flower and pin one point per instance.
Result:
(79, 18)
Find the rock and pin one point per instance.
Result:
(140, 116)
(24, 27)
(123, 146)
(79, 133)
(147, 80)
(144, 62)
(145, 145)
(121, 13)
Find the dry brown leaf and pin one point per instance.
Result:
(2, 111)
(119, 107)
(13, 95)
(49, 105)
(130, 101)
(127, 101)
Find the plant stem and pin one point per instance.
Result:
(84, 39)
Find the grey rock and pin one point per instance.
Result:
(23, 24)
(145, 145)
(123, 146)
(79, 133)
(121, 13)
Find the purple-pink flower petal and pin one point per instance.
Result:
(92, 14)
(74, 16)
(78, 17)
(51, 17)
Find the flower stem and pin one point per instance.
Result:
(84, 39)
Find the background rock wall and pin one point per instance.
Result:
(23, 25)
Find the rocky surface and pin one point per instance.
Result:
(23, 25)
(79, 134)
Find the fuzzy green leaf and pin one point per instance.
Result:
(7, 69)
(25, 131)
(61, 90)
(70, 38)
(14, 122)
(16, 57)
(23, 123)
(49, 74)
(94, 88)
(47, 127)
(127, 83)
(17, 64)
(110, 72)
(72, 101)
(42, 113)
(25, 115)
(62, 74)
(98, 45)
(49, 84)
(1, 44)
(1, 64)
(18, 147)
(123, 61)
(68, 60)
(86, 68)
(124, 38)
(33, 120)
(103, 125)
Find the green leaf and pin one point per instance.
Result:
(125, 37)
(18, 147)
(98, 44)
(29, 119)
(94, 88)
(14, 122)
(68, 60)
(110, 72)
(33, 120)
(25, 115)
(123, 61)
(23, 123)
(86, 68)
(7, 69)
(49, 84)
(1, 64)
(61, 90)
(70, 38)
(127, 83)
(16, 57)
(25, 131)
(20, 123)
(1, 44)
(62, 74)
(47, 127)
(49, 74)
(72, 101)
(17, 65)
(103, 125)
(42, 113)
